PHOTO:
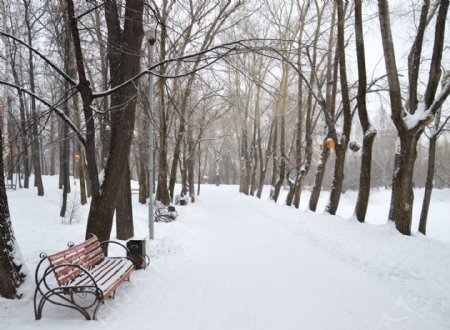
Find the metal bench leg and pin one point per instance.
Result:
(47, 297)
(94, 315)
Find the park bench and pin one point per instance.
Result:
(164, 213)
(80, 277)
(10, 185)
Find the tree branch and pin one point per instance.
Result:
(59, 112)
(44, 58)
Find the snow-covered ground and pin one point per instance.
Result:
(235, 262)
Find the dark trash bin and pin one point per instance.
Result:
(137, 253)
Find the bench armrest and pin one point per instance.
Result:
(117, 243)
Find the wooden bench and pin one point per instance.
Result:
(81, 272)
(10, 186)
(165, 213)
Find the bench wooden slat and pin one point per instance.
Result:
(95, 272)
(85, 255)
(103, 272)
(69, 273)
(76, 254)
(65, 252)
(113, 288)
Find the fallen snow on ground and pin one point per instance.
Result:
(235, 262)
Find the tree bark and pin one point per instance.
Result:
(11, 275)
(329, 111)
(143, 156)
(263, 158)
(124, 209)
(124, 61)
(428, 185)
(64, 157)
(35, 150)
(84, 87)
(254, 150)
(52, 147)
(162, 191)
(320, 174)
(369, 133)
(23, 122)
(190, 165)
(341, 142)
(104, 120)
(282, 115)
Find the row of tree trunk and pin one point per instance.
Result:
(335, 143)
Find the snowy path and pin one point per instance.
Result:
(245, 271)
(236, 262)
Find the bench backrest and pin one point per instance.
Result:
(86, 255)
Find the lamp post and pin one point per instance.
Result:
(151, 37)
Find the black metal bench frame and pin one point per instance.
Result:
(66, 292)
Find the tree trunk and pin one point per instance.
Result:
(282, 114)
(104, 120)
(162, 192)
(23, 121)
(87, 177)
(35, 150)
(11, 275)
(320, 174)
(302, 170)
(362, 201)
(329, 109)
(83, 192)
(294, 185)
(124, 62)
(254, 152)
(263, 160)
(190, 165)
(403, 200)
(274, 156)
(65, 166)
(338, 178)
(341, 142)
(369, 133)
(52, 147)
(428, 185)
(143, 191)
(244, 176)
(64, 158)
(402, 193)
(143, 157)
(183, 169)
(85, 90)
(78, 146)
(124, 209)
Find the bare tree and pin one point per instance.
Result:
(124, 59)
(436, 131)
(369, 132)
(410, 126)
(11, 275)
(35, 148)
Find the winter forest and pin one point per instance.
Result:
(270, 164)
